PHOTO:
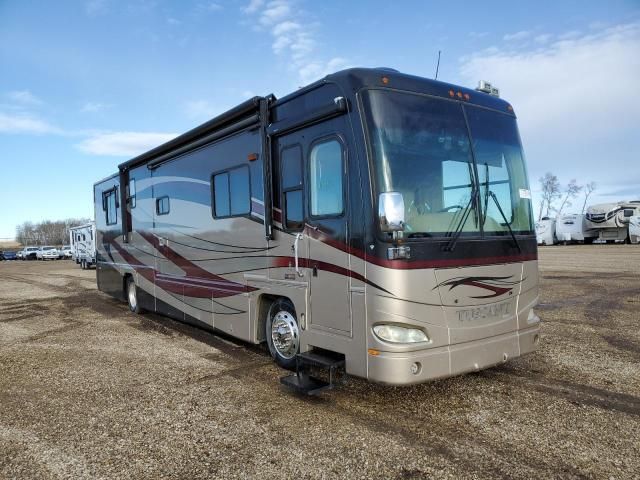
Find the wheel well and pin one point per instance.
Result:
(125, 279)
(264, 304)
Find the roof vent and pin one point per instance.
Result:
(486, 87)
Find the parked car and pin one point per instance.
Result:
(19, 254)
(65, 252)
(47, 253)
(30, 253)
(9, 256)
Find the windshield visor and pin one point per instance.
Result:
(422, 148)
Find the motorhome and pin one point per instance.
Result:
(611, 220)
(572, 228)
(372, 221)
(83, 247)
(546, 231)
(634, 229)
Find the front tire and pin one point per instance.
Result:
(132, 296)
(283, 333)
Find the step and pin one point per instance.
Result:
(325, 360)
(305, 384)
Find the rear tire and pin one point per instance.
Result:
(132, 296)
(283, 333)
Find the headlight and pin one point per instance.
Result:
(396, 334)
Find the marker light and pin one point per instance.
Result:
(397, 334)
(385, 80)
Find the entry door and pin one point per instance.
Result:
(320, 202)
(327, 232)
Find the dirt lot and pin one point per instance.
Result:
(89, 390)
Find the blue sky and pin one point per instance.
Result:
(85, 85)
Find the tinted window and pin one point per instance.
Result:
(239, 191)
(231, 193)
(132, 193)
(326, 174)
(293, 208)
(111, 207)
(221, 201)
(291, 180)
(291, 167)
(162, 205)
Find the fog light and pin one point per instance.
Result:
(532, 318)
(415, 368)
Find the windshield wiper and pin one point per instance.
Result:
(471, 205)
(489, 193)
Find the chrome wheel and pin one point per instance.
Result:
(285, 335)
(132, 294)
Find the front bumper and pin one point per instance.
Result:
(49, 256)
(447, 361)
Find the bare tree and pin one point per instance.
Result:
(588, 190)
(550, 192)
(47, 232)
(571, 191)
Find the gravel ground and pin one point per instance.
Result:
(89, 390)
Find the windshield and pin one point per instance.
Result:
(423, 149)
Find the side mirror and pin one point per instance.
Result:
(628, 212)
(391, 212)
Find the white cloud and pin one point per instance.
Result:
(125, 144)
(209, 7)
(294, 38)
(95, 8)
(25, 124)
(201, 110)
(318, 69)
(543, 38)
(93, 107)
(576, 103)
(23, 97)
(521, 35)
(253, 6)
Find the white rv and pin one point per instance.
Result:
(546, 231)
(572, 228)
(83, 247)
(611, 220)
(634, 229)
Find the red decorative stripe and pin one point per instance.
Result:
(497, 291)
(323, 237)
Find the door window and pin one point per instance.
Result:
(326, 173)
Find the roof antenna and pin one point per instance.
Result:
(438, 65)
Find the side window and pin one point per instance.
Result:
(132, 193)
(162, 205)
(111, 206)
(231, 193)
(326, 173)
(292, 198)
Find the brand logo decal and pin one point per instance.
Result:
(496, 285)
